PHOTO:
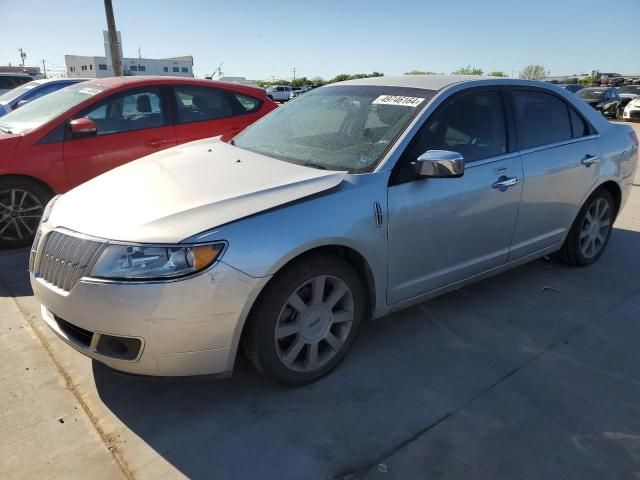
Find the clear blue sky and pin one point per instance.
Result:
(258, 39)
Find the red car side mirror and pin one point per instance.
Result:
(83, 127)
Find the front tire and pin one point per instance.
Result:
(306, 320)
(22, 203)
(590, 231)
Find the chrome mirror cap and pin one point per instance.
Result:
(439, 164)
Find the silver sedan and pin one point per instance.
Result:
(355, 200)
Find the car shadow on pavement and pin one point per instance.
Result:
(14, 272)
(409, 373)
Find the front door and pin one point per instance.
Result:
(560, 162)
(130, 125)
(443, 230)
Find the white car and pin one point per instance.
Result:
(632, 110)
(279, 93)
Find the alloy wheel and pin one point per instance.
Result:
(20, 213)
(595, 228)
(314, 323)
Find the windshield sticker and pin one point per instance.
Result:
(90, 91)
(398, 100)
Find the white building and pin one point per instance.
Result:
(99, 67)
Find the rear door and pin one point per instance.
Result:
(130, 125)
(203, 112)
(560, 162)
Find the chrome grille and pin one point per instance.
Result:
(65, 259)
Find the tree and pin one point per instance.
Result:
(418, 72)
(468, 70)
(497, 73)
(533, 72)
(345, 76)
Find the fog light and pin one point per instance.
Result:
(122, 348)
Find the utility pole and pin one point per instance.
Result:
(113, 39)
(44, 69)
(23, 55)
(294, 74)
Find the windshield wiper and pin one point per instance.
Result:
(314, 165)
(5, 130)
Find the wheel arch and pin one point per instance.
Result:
(614, 189)
(350, 254)
(30, 178)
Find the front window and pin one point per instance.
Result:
(35, 114)
(336, 128)
(589, 94)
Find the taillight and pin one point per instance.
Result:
(634, 137)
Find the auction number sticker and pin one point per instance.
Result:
(398, 100)
(90, 91)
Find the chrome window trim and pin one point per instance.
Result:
(547, 146)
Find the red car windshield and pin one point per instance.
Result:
(37, 113)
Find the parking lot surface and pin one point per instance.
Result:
(531, 374)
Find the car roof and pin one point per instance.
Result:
(426, 82)
(10, 74)
(141, 80)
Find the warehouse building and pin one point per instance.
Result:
(99, 67)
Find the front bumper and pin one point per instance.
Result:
(631, 114)
(186, 327)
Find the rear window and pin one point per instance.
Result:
(542, 119)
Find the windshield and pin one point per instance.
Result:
(590, 94)
(344, 127)
(630, 89)
(16, 92)
(44, 109)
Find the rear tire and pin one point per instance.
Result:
(590, 232)
(306, 320)
(22, 203)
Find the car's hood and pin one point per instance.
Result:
(174, 194)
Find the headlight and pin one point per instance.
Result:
(47, 210)
(45, 216)
(148, 262)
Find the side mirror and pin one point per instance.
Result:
(83, 127)
(20, 103)
(439, 164)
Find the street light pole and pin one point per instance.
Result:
(113, 39)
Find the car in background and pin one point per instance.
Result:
(9, 81)
(296, 92)
(28, 92)
(74, 134)
(572, 87)
(604, 99)
(628, 93)
(631, 112)
(353, 201)
(279, 93)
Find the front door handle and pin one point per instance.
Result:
(505, 182)
(156, 142)
(589, 160)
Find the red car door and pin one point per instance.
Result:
(202, 112)
(130, 125)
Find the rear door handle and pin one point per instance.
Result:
(505, 182)
(156, 142)
(589, 160)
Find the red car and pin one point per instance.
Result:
(70, 136)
